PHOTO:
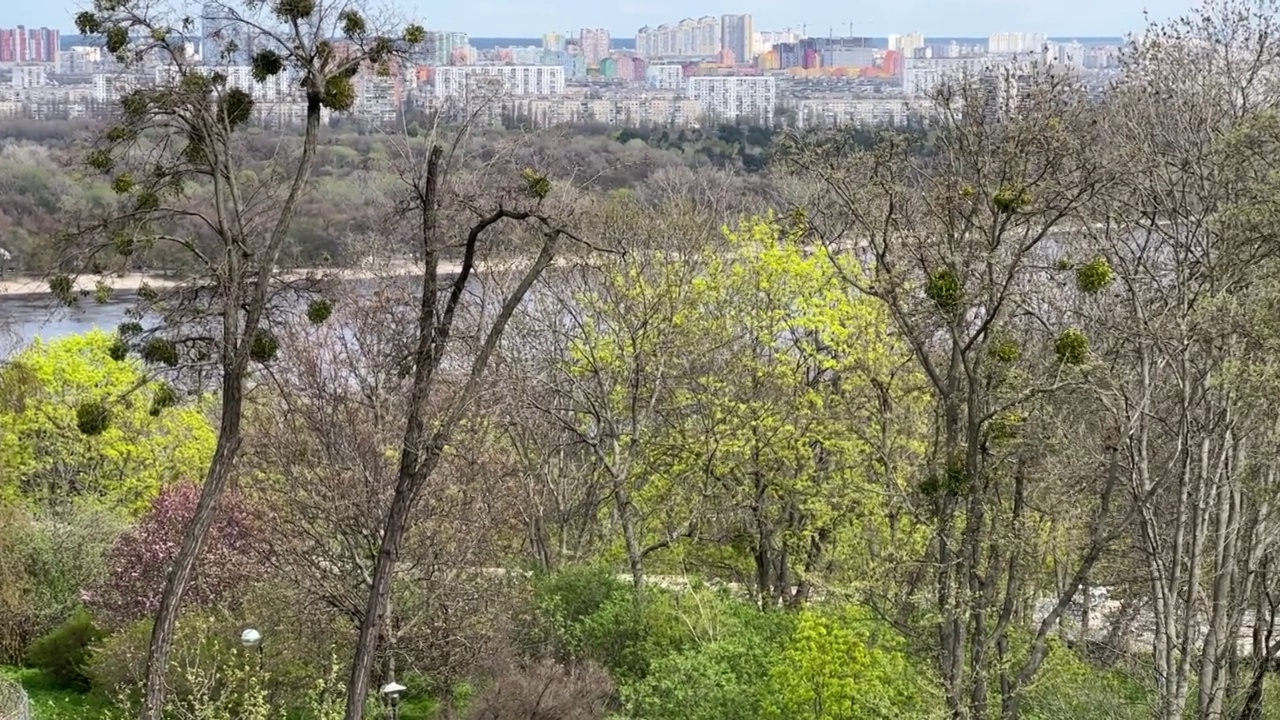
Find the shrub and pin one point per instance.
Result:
(545, 690)
(846, 665)
(724, 679)
(63, 654)
(297, 652)
(1067, 686)
(47, 557)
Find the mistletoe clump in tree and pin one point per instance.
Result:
(174, 159)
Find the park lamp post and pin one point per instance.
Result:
(391, 693)
(251, 639)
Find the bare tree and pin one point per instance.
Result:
(956, 233)
(321, 448)
(448, 214)
(1188, 229)
(180, 133)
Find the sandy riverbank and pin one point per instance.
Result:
(131, 282)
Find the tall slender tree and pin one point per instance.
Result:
(174, 158)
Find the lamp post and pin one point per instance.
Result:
(251, 639)
(391, 694)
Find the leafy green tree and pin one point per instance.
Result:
(754, 404)
(847, 666)
(53, 391)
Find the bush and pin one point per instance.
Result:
(64, 653)
(47, 557)
(1067, 686)
(847, 665)
(725, 678)
(297, 655)
(544, 690)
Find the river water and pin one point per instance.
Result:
(23, 318)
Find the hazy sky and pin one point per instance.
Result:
(531, 18)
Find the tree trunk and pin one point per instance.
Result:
(215, 484)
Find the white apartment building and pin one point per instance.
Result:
(906, 44)
(665, 77)
(686, 39)
(921, 76)
(30, 76)
(1015, 43)
(456, 82)
(766, 39)
(835, 111)
(736, 96)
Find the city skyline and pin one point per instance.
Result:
(509, 18)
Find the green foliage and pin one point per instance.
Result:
(165, 396)
(236, 106)
(726, 676)
(294, 10)
(63, 654)
(1067, 686)
(1072, 347)
(1005, 350)
(588, 614)
(123, 183)
(299, 660)
(48, 556)
(63, 288)
(117, 39)
(146, 202)
(1004, 427)
(160, 351)
(50, 701)
(319, 310)
(415, 34)
(847, 665)
(264, 346)
(538, 184)
(1010, 199)
(339, 93)
(268, 63)
(57, 390)
(946, 291)
(87, 23)
(353, 23)
(743, 324)
(1094, 276)
(953, 480)
(93, 417)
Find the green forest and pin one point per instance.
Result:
(962, 422)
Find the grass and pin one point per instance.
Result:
(50, 702)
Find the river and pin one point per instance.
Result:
(24, 318)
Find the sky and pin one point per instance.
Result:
(936, 18)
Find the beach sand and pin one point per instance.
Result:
(131, 282)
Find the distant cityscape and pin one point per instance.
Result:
(708, 69)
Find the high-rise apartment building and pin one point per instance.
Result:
(22, 45)
(766, 39)
(442, 47)
(736, 96)
(737, 35)
(594, 44)
(906, 44)
(688, 39)
(553, 42)
(1015, 43)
